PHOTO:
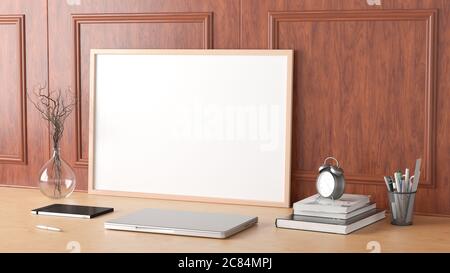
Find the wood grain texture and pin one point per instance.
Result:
(358, 61)
(428, 234)
(23, 65)
(359, 69)
(173, 24)
(13, 137)
(352, 73)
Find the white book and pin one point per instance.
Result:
(368, 207)
(346, 204)
(351, 226)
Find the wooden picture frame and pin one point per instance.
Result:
(288, 54)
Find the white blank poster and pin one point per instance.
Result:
(208, 125)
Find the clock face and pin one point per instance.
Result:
(325, 184)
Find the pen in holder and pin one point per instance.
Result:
(402, 191)
(402, 207)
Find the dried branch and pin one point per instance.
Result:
(54, 106)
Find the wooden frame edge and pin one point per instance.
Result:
(92, 78)
(21, 158)
(258, 52)
(430, 17)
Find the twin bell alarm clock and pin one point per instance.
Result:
(330, 183)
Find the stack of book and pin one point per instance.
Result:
(351, 212)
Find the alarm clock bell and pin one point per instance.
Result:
(330, 182)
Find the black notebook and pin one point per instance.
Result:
(72, 211)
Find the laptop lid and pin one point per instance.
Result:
(214, 225)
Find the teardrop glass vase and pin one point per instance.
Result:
(56, 178)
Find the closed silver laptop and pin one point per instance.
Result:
(213, 225)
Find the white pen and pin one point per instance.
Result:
(416, 175)
(407, 180)
(48, 228)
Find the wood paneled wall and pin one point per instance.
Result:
(24, 141)
(370, 86)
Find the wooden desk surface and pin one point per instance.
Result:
(18, 232)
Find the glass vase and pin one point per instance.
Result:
(56, 178)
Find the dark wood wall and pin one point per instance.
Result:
(371, 83)
(24, 141)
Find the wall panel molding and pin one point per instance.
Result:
(204, 18)
(429, 18)
(19, 22)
